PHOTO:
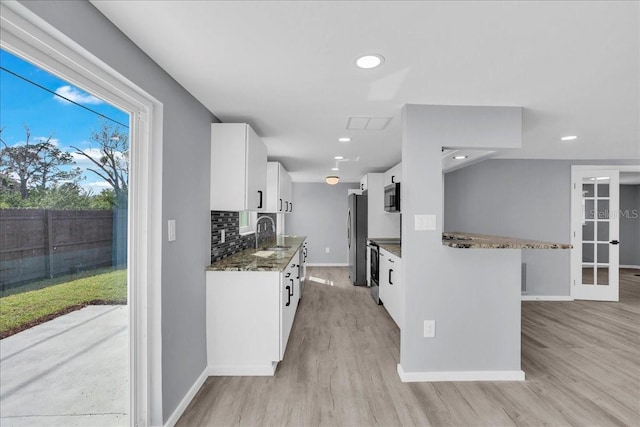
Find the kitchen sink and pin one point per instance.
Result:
(278, 248)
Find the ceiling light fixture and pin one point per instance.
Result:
(459, 157)
(370, 61)
(569, 138)
(335, 169)
(345, 139)
(332, 180)
(339, 158)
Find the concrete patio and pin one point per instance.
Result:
(70, 371)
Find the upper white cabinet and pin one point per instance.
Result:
(364, 181)
(393, 175)
(238, 168)
(380, 223)
(279, 189)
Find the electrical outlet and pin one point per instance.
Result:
(223, 236)
(429, 328)
(326, 250)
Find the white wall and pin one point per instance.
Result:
(186, 149)
(320, 213)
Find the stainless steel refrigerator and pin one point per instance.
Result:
(357, 239)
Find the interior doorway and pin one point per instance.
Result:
(595, 231)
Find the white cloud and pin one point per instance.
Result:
(53, 141)
(82, 161)
(75, 95)
(96, 187)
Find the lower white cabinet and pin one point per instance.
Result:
(249, 318)
(391, 291)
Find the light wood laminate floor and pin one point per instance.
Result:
(581, 359)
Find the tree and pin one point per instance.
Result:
(113, 163)
(35, 165)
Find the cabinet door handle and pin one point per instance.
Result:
(298, 272)
(362, 186)
(288, 275)
(291, 287)
(393, 177)
(286, 209)
(390, 282)
(290, 206)
(280, 205)
(288, 296)
(260, 204)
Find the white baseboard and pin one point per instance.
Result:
(409, 377)
(242, 370)
(630, 266)
(546, 298)
(327, 264)
(177, 413)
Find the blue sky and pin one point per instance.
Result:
(46, 114)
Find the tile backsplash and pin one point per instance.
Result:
(234, 242)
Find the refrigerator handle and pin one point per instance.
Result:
(349, 228)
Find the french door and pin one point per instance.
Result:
(595, 234)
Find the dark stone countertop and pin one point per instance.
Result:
(483, 241)
(391, 245)
(247, 260)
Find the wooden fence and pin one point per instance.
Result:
(42, 243)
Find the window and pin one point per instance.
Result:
(248, 222)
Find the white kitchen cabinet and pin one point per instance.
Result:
(238, 168)
(379, 222)
(391, 285)
(393, 175)
(249, 317)
(279, 189)
(364, 181)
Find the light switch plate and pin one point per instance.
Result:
(425, 222)
(172, 230)
(429, 328)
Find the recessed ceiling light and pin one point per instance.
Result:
(338, 158)
(335, 169)
(370, 61)
(345, 139)
(569, 138)
(459, 157)
(332, 180)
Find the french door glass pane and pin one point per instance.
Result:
(603, 190)
(603, 253)
(603, 231)
(589, 209)
(587, 231)
(603, 209)
(587, 275)
(587, 252)
(588, 190)
(603, 276)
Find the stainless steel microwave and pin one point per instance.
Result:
(392, 198)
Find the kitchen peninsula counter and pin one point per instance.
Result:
(484, 241)
(390, 245)
(250, 259)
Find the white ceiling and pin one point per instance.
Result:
(287, 68)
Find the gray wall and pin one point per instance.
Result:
(519, 198)
(630, 225)
(186, 151)
(321, 214)
(472, 294)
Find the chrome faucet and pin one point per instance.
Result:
(273, 227)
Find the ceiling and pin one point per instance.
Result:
(288, 69)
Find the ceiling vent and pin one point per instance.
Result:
(368, 123)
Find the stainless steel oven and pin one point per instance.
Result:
(374, 266)
(392, 197)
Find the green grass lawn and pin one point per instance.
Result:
(20, 311)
